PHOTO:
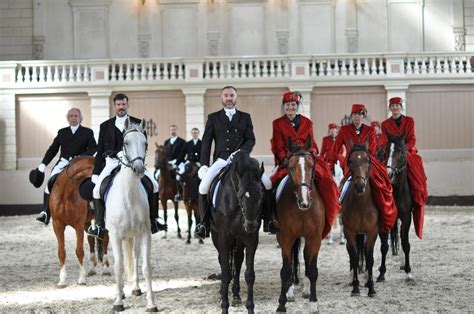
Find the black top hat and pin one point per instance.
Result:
(36, 177)
(85, 189)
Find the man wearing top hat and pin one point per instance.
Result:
(73, 141)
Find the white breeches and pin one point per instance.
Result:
(214, 170)
(62, 163)
(110, 165)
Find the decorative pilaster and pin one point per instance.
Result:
(100, 108)
(194, 103)
(7, 131)
(213, 41)
(457, 22)
(38, 44)
(459, 39)
(352, 37)
(352, 33)
(282, 36)
(144, 45)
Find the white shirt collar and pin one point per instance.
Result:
(229, 111)
(195, 141)
(120, 122)
(74, 128)
(173, 139)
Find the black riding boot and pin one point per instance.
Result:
(156, 224)
(203, 228)
(269, 208)
(44, 216)
(99, 230)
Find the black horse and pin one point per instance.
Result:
(235, 225)
(396, 152)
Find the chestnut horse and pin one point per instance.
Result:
(360, 217)
(300, 213)
(396, 151)
(167, 184)
(69, 209)
(190, 182)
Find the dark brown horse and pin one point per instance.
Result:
(396, 152)
(167, 183)
(360, 218)
(190, 182)
(69, 209)
(301, 214)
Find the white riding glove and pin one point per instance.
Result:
(232, 156)
(95, 178)
(202, 171)
(42, 167)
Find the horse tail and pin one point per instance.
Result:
(128, 246)
(360, 241)
(295, 251)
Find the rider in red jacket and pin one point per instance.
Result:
(298, 128)
(327, 145)
(379, 139)
(359, 133)
(399, 125)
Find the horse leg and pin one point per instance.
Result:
(238, 260)
(92, 257)
(164, 205)
(354, 261)
(295, 251)
(190, 223)
(383, 250)
(369, 258)
(311, 251)
(176, 217)
(285, 272)
(59, 231)
(394, 237)
(118, 268)
(146, 270)
(405, 229)
(80, 253)
(105, 258)
(225, 273)
(136, 291)
(250, 250)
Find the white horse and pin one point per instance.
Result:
(128, 219)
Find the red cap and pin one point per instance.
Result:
(292, 96)
(395, 100)
(332, 126)
(374, 124)
(358, 108)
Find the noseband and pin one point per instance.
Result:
(303, 184)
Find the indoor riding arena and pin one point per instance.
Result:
(64, 66)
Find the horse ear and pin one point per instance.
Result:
(143, 125)
(156, 144)
(127, 123)
(308, 143)
(261, 171)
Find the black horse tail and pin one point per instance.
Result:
(295, 252)
(360, 244)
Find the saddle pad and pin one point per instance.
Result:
(280, 187)
(345, 188)
(215, 193)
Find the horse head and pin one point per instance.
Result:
(396, 155)
(246, 177)
(301, 169)
(135, 146)
(161, 156)
(359, 163)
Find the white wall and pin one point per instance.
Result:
(16, 29)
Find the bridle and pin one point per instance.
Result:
(302, 184)
(365, 178)
(399, 169)
(129, 162)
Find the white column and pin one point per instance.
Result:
(399, 90)
(7, 131)
(305, 108)
(100, 108)
(194, 103)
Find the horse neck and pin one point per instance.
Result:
(127, 180)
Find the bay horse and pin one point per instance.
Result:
(69, 209)
(235, 225)
(167, 184)
(128, 216)
(360, 218)
(190, 182)
(396, 151)
(301, 214)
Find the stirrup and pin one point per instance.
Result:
(200, 232)
(43, 217)
(97, 232)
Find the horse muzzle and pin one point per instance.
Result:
(138, 169)
(251, 226)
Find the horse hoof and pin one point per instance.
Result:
(306, 295)
(237, 301)
(118, 308)
(355, 294)
(380, 279)
(81, 283)
(188, 241)
(61, 285)
(281, 309)
(91, 273)
(137, 292)
(152, 309)
(164, 236)
(106, 273)
(201, 241)
(290, 299)
(180, 236)
(372, 294)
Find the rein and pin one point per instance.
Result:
(129, 161)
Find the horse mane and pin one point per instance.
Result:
(242, 163)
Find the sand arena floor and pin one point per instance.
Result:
(441, 264)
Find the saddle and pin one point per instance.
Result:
(107, 183)
(51, 181)
(215, 186)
